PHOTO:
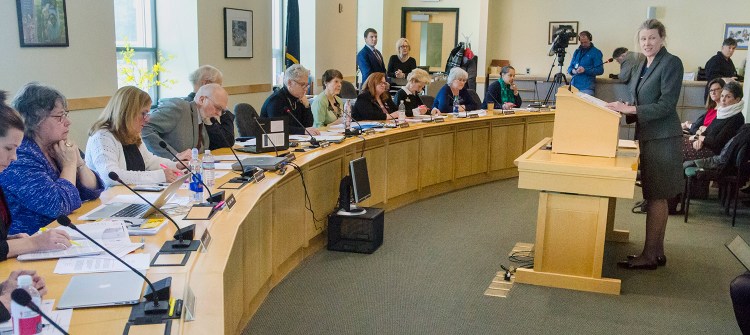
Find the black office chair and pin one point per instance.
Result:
(244, 115)
(427, 100)
(348, 91)
(475, 97)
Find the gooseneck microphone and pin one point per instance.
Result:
(182, 234)
(23, 298)
(210, 199)
(243, 175)
(313, 142)
(570, 87)
(156, 307)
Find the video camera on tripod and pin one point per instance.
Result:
(561, 40)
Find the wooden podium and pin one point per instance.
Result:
(577, 198)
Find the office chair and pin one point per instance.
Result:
(244, 115)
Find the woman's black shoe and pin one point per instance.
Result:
(660, 261)
(629, 266)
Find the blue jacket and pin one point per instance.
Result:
(369, 63)
(35, 193)
(591, 60)
(444, 100)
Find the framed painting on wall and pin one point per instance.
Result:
(740, 32)
(42, 23)
(554, 25)
(238, 33)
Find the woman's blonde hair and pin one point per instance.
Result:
(122, 111)
(419, 76)
(399, 43)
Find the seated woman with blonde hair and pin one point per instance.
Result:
(409, 93)
(115, 142)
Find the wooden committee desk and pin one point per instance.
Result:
(269, 231)
(575, 214)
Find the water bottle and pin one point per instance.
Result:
(401, 111)
(25, 320)
(195, 179)
(208, 168)
(455, 106)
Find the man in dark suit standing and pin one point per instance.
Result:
(369, 59)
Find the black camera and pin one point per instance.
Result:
(562, 36)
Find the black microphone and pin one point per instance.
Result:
(570, 87)
(23, 298)
(154, 308)
(187, 232)
(313, 142)
(211, 198)
(388, 114)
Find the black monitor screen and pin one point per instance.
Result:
(360, 179)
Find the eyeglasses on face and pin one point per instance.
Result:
(302, 84)
(217, 106)
(62, 116)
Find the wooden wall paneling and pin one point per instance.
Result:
(506, 144)
(436, 159)
(402, 167)
(537, 130)
(472, 157)
(376, 169)
(288, 234)
(323, 187)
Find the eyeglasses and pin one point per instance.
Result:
(144, 115)
(302, 84)
(404, 46)
(715, 90)
(62, 116)
(217, 106)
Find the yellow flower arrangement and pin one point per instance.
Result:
(130, 73)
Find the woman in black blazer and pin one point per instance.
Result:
(655, 88)
(374, 103)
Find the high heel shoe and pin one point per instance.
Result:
(660, 260)
(629, 266)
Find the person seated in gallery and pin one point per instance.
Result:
(290, 102)
(503, 92)
(50, 178)
(409, 93)
(703, 121)
(328, 108)
(375, 103)
(455, 89)
(183, 125)
(11, 135)
(205, 75)
(400, 64)
(729, 119)
(115, 143)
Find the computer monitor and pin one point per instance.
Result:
(354, 188)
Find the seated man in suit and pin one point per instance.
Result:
(291, 99)
(208, 74)
(369, 59)
(183, 125)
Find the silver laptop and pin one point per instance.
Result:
(129, 210)
(741, 250)
(102, 289)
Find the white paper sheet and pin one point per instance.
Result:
(223, 166)
(230, 158)
(101, 264)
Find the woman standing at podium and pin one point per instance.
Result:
(655, 91)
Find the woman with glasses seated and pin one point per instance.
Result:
(375, 103)
(115, 142)
(455, 88)
(291, 103)
(328, 108)
(50, 178)
(714, 97)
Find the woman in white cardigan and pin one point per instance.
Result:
(115, 142)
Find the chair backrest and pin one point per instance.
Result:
(427, 100)
(434, 87)
(244, 115)
(475, 96)
(348, 91)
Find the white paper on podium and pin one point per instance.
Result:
(101, 263)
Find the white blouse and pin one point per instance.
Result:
(104, 154)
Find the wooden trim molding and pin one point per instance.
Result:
(87, 103)
(247, 89)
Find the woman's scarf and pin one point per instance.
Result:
(506, 93)
(729, 111)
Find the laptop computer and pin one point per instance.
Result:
(741, 250)
(263, 162)
(130, 210)
(102, 289)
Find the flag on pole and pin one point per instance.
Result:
(292, 33)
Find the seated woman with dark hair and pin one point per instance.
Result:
(409, 93)
(728, 120)
(714, 95)
(455, 89)
(11, 135)
(328, 108)
(374, 103)
(115, 143)
(50, 178)
(503, 92)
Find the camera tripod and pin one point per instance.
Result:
(559, 78)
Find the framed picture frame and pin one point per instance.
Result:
(740, 32)
(42, 23)
(238, 33)
(553, 25)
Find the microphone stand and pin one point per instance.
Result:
(212, 199)
(313, 142)
(154, 308)
(187, 232)
(244, 174)
(20, 296)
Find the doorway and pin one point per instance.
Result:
(430, 32)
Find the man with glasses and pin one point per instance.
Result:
(184, 125)
(207, 74)
(291, 99)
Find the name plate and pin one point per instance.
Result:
(290, 157)
(473, 116)
(189, 304)
(403, 125)
(258, 176)
(508, 112)
(230, 202)
(205, 240)
(324, 144)
(439, 119)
